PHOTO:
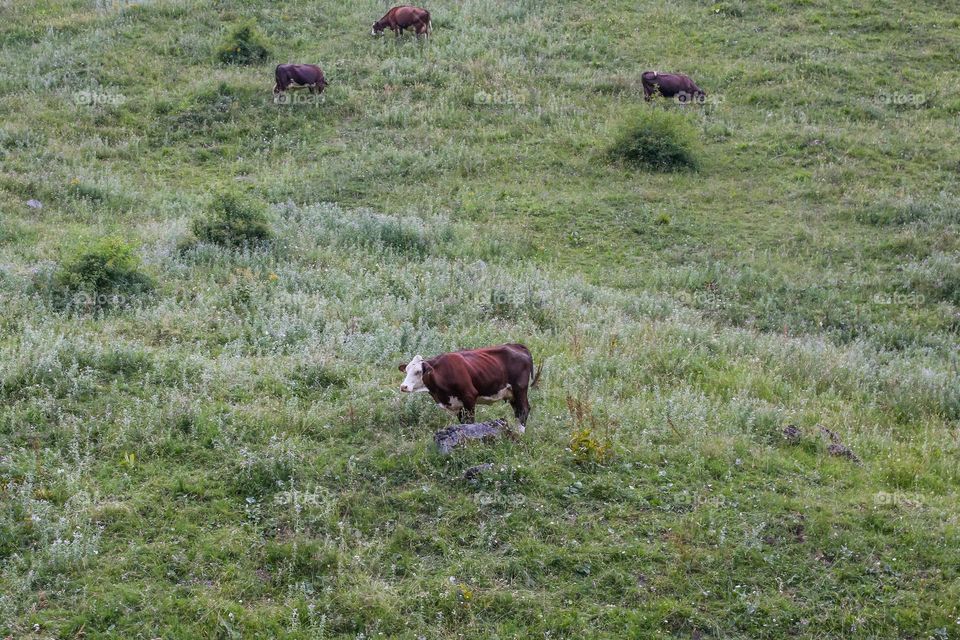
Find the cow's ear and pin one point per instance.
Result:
(403, 367)
(427, 368)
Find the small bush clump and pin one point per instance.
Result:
(899, 213)
(243, 45)
(657, 140)
(101, 274)
(394, 234)
(936, 279)
(408, 236)
(309, 380)
(234, 220)
(587, 444)
(587, 448)
(727, 9)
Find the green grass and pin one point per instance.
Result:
(229, 455)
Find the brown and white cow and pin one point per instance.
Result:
(671, 85)
(299, 76)
(404, 17)
(459, 380)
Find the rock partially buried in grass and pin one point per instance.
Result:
(449, 438)
(792, 433)
(474, 473)
(837, 448)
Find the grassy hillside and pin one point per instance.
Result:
(218, 447)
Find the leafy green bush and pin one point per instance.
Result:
(656, 139)
(587, 444)
(101, 274)
(234, 220)
(587, 448)
(243, 45)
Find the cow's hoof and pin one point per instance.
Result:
(514, 433)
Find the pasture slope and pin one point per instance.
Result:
(226, 455)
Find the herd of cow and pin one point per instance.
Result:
(398, 19)
(460, 380)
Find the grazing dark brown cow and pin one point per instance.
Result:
(669, 85)
(457, 381)
(404, 17)
(299, 76)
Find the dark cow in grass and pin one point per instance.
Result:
(459, 380)
(299, 76)
(671, 85)
(404, 17)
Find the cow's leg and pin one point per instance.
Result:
(521, 407)
(468, 399)
(468, 411)
(466, 416)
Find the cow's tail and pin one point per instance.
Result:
(429, 23)
(535, 374)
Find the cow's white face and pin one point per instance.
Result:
(413, 383)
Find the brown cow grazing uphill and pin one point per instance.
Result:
(669, 85)
(298, 76)
(457, 381)
(404, 17)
